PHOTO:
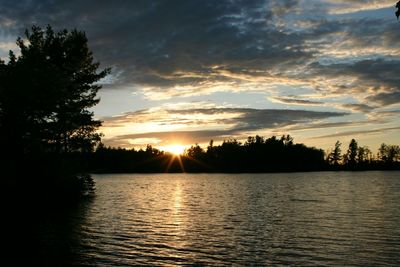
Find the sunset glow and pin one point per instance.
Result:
(176, 149)
(319, 70)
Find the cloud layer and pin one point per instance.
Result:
(327, 57)
(178, 48)
(200, 125)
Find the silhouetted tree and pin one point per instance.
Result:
(364, 154)
(195, 152)
(287, 140)
(335, 156)
(210, 147)
(47, 91)
(389, 153)
(351, 155)
(45, 96)
(152, 151)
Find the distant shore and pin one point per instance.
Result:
(256, 155)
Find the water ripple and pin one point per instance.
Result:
(312, 219)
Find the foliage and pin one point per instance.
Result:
(351, 156)
(256, 155)
(361, 158)
(195, 151)
(335, 156)
(364, 154)
(46, 91)
(389, 153)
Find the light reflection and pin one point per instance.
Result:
(177, 205)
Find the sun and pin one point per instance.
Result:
(176, 149)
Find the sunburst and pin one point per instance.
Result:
(175, 149)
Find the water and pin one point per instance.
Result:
(298, 219)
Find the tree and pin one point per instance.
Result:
(46, 93)
(287, 140)
(194, 152)
(389, 153)
(364, 154)
(351, 155)
(335, 156)
(211, 148)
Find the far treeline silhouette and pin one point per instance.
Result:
(257, 154)
(45, 94)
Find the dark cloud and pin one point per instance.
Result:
(375, 77)
(377, 72)
(368, 52)
(253, 119)
(373, 73)
(385, 99)
(157, 43)
(359, 107)
(161, 43)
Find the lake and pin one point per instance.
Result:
(313, 219)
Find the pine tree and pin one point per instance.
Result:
(46, 93)
(335, 156)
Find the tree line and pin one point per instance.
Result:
(256, 154)
(361, 157)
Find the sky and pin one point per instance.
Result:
(188, 71)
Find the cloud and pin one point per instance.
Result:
(375, 78)
(5, 47)
(167, 138)
(385, 99)
(253, 119)
(294, 100)
(324, 125)
(161, 44)
(242, 118)
(182, 125)
(339, 51)
(364, 108)
(192, 47)
(359, 132)
(345, 6)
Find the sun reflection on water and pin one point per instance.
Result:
(177, 203)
